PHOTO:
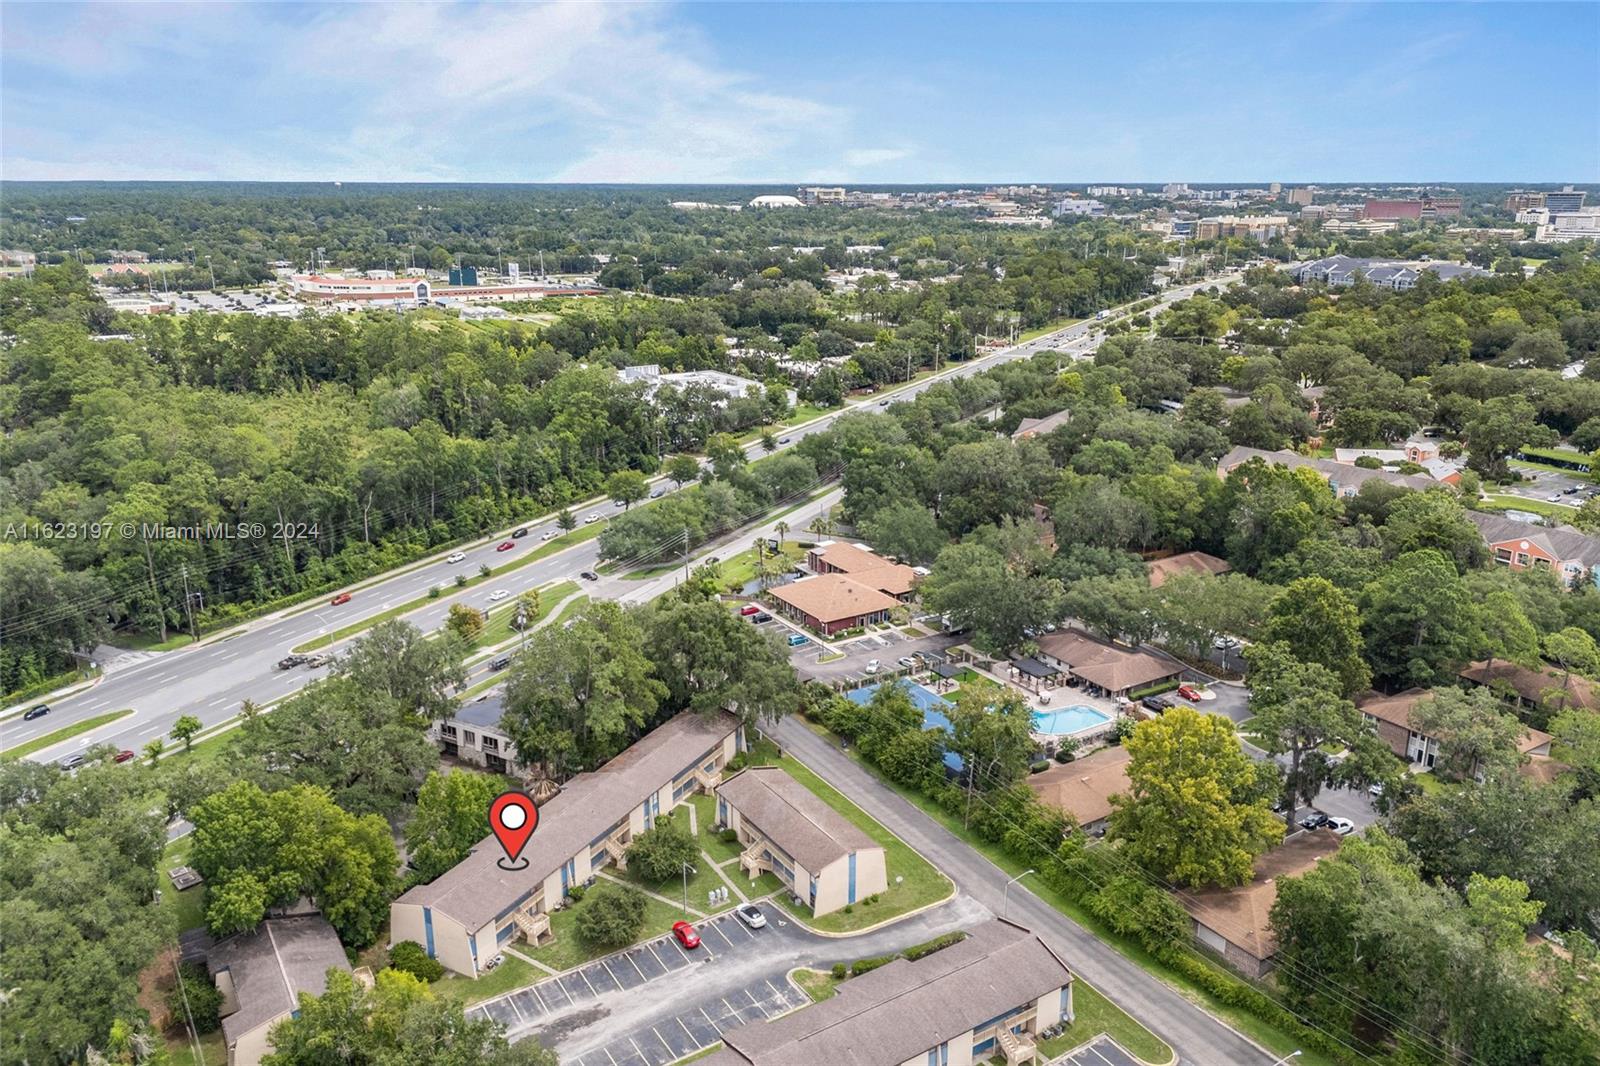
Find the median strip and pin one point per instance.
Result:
(64, 733)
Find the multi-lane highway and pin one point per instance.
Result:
(209, 680)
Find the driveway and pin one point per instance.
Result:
(1197, 1036)
(655, 1002)
(886, 647)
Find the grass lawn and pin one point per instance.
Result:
(499, 627)
(1507, 502)
(48, 685)
(1094, 1014)
(705, 814)
(570, 609)
(208, 751)
(739, 570)
(513, 973)
(705, 1052)
(187, 909)
(1048, 327)
(213, 1051)
(817, 984)
(568, 949)
(918, 884)
(1278, 1042)
(701, 882)
(804, 412)
(64, 733)
(1431, 784)
(148, 642)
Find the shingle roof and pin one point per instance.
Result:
(1567, 545)
(1038, 427)
(476, 890)
(272, 964)
(833, 597)
(1084, 788)
(1184, 563)
(901, 1010)
(1338, 472)
(1110, 667)
(867, 567)
(1397, 709)
(1532, 684)
(793, 817)
(1242, 914)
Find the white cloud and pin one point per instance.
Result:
(519, 92)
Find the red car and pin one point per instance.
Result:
(343, 597)
(686, 934)
(1189, 692)
(749, 609)
(506, 545)
(122, 756)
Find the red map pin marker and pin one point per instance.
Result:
(513, 818)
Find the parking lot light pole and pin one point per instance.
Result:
(1005, 893)
(687, 870)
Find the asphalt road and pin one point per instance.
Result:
(1197, 1037)
(211, 679)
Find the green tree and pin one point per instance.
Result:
(991, 728)
(567, 520)
(154, 750)
(1418, 620)
(451, 816)
(399, 1019)
(1502, 425)
(709, 660)
(526, 611)
(682, 469)
(905, 531)
(184, 730)
(194, 996)
(396, 660)
(465, 622)
(662, 851)
(627, 487)
(1197, 810)
(974, 586)
(1475, 734)
(410, 957)
(611, 915)
(1320, 624)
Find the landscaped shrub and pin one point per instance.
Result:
(839, 971)
(204, 1001)
(729, 836)
(612, 916)
(867, 965)
(575, 892)
(928, 947)
(409, 957)
(661, 851)
(1039, 767)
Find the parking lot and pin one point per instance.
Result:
(887, 647)
(1101, 1051)
(724, 941)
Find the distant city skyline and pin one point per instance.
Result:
(801, 94)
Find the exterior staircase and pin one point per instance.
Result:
(1017, 1047)
(533, 924)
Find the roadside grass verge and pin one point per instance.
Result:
(568, 949)
(499, 626)
(26, 695)
(64, 733)
(919, 884)
(817, 984)
(1266, 1035)
(1507, 502)
(512, 973)
(1094, 1014)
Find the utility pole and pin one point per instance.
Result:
(687, 870)
(188, 603)
(686, 554)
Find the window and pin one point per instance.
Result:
(468, 737)
(490, 744)
(447, 731)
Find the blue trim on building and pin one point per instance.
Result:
(427, 928)
(851, 898)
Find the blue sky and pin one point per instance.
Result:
(853, 93)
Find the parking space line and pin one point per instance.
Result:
(515, 1010)
(610, 1056)
(775, 991)
(694, 1043)
(723, 935)
(635, 966)
(637, 1050)
(608, 970)
(733, 1010)
(709, 1022)
(565, 994)
(744, 929)
(756, 1003)
(664, 1043)
(535, 990)
(657, 955)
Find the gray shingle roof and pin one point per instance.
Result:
(476, 890)
(793, 817)
(1341, 473)
(1568, 545)
(272, 965)
(901, 1010)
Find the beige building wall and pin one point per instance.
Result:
(253, 1046)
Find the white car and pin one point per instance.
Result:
(1225, 643)
(549, 534)
(872, 667)
(497, 595)
(751, 915)
(591, 519)
(455, 557)
(1343, 826)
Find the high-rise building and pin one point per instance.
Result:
(1523, 201)
(1275, 188)
(1302, 196)
(1566, 201)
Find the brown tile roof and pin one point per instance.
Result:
(1531, 684)
(1112, 668)
(833, 597)
(1083, 788)
(793, 817)
(1241, 914)
(867, 568)
(476, 889)
(1038, 427)
(1542, 768)
(271, 965)
(899, 1011)
(1184, 563)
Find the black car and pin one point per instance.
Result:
(35, 712)
(500, 663)
(523, 532)
(589, 575)
(1154, 703)
(1315, 820)
(289, 662)
(760, 618)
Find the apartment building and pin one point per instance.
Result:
(464, 916)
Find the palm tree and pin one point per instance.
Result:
(781, 528)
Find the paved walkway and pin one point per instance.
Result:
(1197, 1036)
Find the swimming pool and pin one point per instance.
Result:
(1068, 720)
(930, 704)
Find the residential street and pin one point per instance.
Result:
(1195, 1035)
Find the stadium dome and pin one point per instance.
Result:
(776, 201)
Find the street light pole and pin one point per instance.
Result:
(687, 870)
(1005, 894)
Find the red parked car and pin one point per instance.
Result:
(686, 934)
(749, 609)
(506, 545)
(1189, 692)
(122, 756)
(343, 597)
